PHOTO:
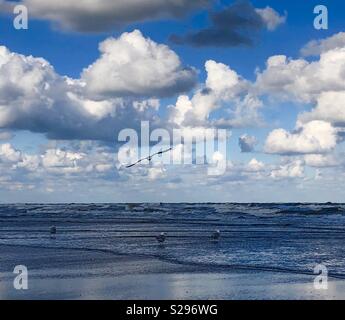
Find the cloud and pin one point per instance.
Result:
(301, 80)
(156, 173)
(271, 18)
(105, 15)
(320, 82)
(224, 91)
(255, 166)
(137, 66)
(70, 167)
(34, 97)
(60, 158)
(330, 107)
(237, 25)
(247, 143)
(76, 164)
(312, 137)
(317, 47)
(321, 160)
(294, 169)
(8, 153)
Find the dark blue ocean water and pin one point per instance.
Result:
(285, 237)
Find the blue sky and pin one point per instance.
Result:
(70, 52)
(53, 150)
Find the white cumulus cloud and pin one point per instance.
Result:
(271, 18)
(223, 90)
(34, 97)
(330, 107)
(301, 80)
(133, 65)
(9, 154)
(312, 137)
(321, 160)
(316, 47)
(294, 169)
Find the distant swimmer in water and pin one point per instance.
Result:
(215, 235)
(149, 158)
(53, 230)
(161, 238)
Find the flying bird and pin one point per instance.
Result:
(149, 158)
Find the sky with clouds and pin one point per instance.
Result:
(85, 70)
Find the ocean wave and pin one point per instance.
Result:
(290, 237)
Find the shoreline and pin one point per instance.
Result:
(79, 274)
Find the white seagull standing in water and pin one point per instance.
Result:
(161, 238)
(215, 235)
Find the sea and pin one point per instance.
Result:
(281, 237)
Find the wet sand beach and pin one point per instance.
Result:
(79, 274)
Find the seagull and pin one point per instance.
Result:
(161, 238)
(215, 235)
(149, 158)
